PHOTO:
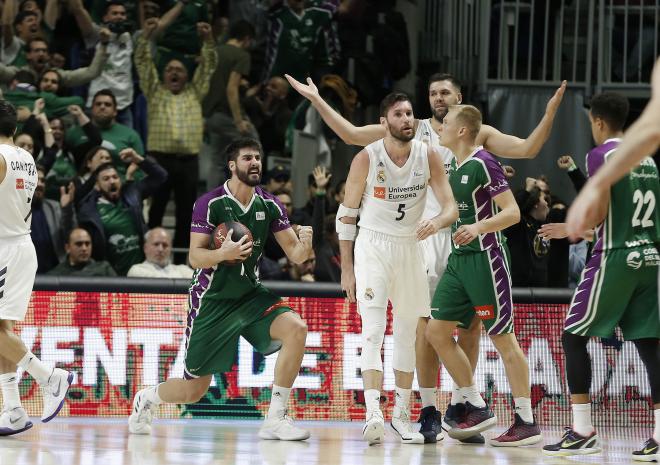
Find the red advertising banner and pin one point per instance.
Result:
(116, 343)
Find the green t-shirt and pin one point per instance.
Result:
(475, 183)
(115, 138)
(232, 58)
(61, 174)
(633, 219)
(182, 35)
(265, 213)
(122, 236)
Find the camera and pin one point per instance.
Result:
(120, 27)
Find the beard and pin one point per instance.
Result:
(249, 179)
(440, 113)
(103, 121)
(399, 135)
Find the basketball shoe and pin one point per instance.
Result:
(573, 443)
(139, 422)
(14, 421)
(475, 420)
(453, 416)
(520, 433)
(54, 393)
(431, 427)
(401, 424)
(650, 452)
(374, 429)
(281, 427)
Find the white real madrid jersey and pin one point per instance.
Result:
(394, 197)
(427, 134)
(16, 192)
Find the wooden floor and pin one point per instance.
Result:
(86, 441)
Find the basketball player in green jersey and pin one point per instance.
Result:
(619, 285)
(227, 301)
(477, 281)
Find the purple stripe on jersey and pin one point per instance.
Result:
(596, 156)
(580, 304)
(282, 221)
(200, 216)
(502, 288)
(498, 182)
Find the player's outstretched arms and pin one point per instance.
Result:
(507, 146)
(200, 256)
(297, 248)
(347, 131)
(439, 182)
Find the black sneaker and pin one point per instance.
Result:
(649, 453)
(475, 420)
(431, 427)
(573, 443)
(453, 416)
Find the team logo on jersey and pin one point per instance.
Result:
(379, 192)
(369, 293)
(485, 312)
(380, 176)
(501, 185)
(261, 216)
(20, 184)
(464, 179)
(380, 164)
(634, 260)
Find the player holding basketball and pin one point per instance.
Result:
(387, 185)
(619, 286)
(477, 281)
(18, 266)
(228, 301)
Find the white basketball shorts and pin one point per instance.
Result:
(18, 266)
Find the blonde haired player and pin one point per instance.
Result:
(387, 185)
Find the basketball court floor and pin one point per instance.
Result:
(87, 441)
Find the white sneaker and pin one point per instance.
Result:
(139, 422)
(374, 429)
(401, 424)
(54, 393)
(281, 427)
(14, 421)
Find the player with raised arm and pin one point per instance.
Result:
(227, 300)
(387, 185)
(444, 90)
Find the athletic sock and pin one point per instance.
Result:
(656, 430)
(456, 395)
(428, 396)
(37, 369)
(10, 396)
(582, 419)
(372, 400)
(471, 394)
(401, 401)
(523, 407)
(279, 400)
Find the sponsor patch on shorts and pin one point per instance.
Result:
(485, 312)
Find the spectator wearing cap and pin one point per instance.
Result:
(529, 250)
(277, 178)
(158, 264)
(78, 260)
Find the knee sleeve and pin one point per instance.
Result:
(578, 363)
(405, 334)
(649, 352)
(373, 332)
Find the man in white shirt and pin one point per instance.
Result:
(158, 250)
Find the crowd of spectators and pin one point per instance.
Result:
(127, 106)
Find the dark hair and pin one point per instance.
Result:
(23, 76)
(21, 16)
(390, 100)
(103, 167)
(283, 191)
(41, 168)
(108, 93)
(446, 77)
(88, 156)
(28, 44)
(110, 3)
(612, 108)
(235, 147)
(242, 29)
(527, 200)
(8, 119)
